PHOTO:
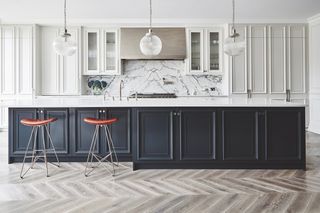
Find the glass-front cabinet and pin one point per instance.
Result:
(196, 50)
(110, 60)
(205, 55)
(101, 47)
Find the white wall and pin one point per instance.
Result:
(314, 70)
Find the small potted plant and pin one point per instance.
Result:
(97, 86)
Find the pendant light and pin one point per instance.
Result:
(64, 45)
(232, 45)
(150, 44)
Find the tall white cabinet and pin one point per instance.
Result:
(16, 64)
(273, 62)
(59, 75)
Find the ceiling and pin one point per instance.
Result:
(25, 10)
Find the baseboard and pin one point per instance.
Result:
(314, 127)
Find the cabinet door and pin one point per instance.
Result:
(197, 134)
(50, 68)
(284, 134)
(120, 130)
(7, 69)
(155, 134)
(24, 60)
(3, 117)
(195, 50)
(296, 59)
(91, 51)
(214, 57)
(258, 59)
(239, 66)
(277, 59)
(240, 134)
(84, 131)
(19, 134)
(110, 53)
(69, 66)
(59, 130)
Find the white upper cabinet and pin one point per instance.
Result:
(59, 74)
(257, 47)
(296, 65)
(204, 46)
(274, 60)
(8, 60)
(239, 65)
(101, 51)
(277, 59)
(16, 60)
(24, 60)
(70, 67)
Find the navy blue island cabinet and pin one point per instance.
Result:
(176, 137)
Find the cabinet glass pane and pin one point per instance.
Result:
(195, 51)
(92, 51)
(214, 51)
(110, 54)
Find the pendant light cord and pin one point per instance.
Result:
(150, 8)
(233, 13)
(65, 16)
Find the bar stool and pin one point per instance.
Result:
(103, 123)
(38, 154)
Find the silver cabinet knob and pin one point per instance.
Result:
(103, 111)
(100, 111)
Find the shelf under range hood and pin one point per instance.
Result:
(173, 43)
(153, 95)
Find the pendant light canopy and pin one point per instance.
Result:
(64, 45)
(233, 45)
(150, 44)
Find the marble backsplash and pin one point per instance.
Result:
(160, 76)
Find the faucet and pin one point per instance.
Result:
(249, 93)
(288, 95)
(120, 91)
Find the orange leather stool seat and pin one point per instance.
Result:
(37, 122)
(96, 121)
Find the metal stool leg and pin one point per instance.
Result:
(90, 151)
(53, 148)
(107, 130)
(25, 155)
(45, 151)
(34, 147)
(110, 149)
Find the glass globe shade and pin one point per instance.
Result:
(150, 44)
(234, 48)
(63, 45)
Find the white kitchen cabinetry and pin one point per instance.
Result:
(277, 59)
(3, 118)
(59, 74)
(16, 60)
(204, 46)
(273, 63)
(249, 69)
(296, 59)
(101, 51)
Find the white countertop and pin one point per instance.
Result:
(93, 101)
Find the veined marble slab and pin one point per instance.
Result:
(161, 76)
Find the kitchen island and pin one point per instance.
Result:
(183, 133)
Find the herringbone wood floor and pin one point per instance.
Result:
(67, 190)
